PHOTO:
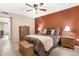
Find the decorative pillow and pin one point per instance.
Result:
(48, 32)
(44, 31)
(57, 31)
(52, 31)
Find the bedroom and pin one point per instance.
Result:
(60, 17)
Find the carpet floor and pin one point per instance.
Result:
(62, 51)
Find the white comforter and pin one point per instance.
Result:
(46, 40)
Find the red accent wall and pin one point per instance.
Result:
(60, 19)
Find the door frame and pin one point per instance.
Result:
(10, 26)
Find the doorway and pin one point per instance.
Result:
(5, 27)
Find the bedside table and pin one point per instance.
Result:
(67, 41)
(26, 49)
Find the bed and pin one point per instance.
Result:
(44, 43)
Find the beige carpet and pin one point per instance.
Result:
(61, 51)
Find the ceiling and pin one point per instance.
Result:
(20, 8)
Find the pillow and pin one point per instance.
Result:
(57, 31)
(52, 31)
(48, 32)
(44, 31)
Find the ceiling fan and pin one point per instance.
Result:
(36, 7)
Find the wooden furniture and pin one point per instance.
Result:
(26, 49)
(68, 42)
(23, 31)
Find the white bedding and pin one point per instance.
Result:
(46, 40)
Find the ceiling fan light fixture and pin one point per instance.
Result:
(36, 8)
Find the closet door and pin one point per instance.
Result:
(23, 31)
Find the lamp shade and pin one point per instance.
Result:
(67, 29)
(39, 29)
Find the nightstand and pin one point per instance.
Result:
(67, 41)
(26, 49)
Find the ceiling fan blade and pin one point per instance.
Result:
(28, 5)
(29, 10)
(3, 12)
(43, 9)
(41, 4)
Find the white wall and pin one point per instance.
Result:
(4, 19)
(19, 20)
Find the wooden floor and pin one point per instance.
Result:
(7, 48)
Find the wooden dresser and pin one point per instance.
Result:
(23, 31)
(68, 42)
